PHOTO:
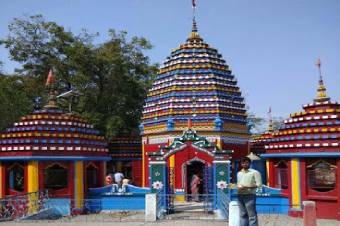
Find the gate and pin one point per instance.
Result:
(209, 197)
(170, 189)
(202, 209)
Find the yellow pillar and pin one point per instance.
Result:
(219, 143)
(78, 184)
(295, 176)
(2, 179)
(268, 171)
(32, 185)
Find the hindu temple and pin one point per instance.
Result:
(303, 157)
(52, 150)
(193, 111)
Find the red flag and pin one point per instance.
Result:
(50, 78)
(194, 3)
(318, 63)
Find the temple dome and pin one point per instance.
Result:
(51, 131)
(195, 82)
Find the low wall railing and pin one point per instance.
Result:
(21, 206)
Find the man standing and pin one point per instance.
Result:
(248, 180)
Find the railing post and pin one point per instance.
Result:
(151, 207)
(309, 213)
(234, 214)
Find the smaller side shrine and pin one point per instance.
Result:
(303, 157)
(52, 150)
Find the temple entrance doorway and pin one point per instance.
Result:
(195, 180)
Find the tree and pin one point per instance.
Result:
(277, 122)
(113, 77)
(1, 65)
(14, 99)
(255, 124)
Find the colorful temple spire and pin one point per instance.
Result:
(195, 82)
(270, 124)
(321, 91)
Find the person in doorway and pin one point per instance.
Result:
(119, 179)
(194, 187)
(248, 181)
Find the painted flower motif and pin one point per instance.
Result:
(157, 185)
(221, 184)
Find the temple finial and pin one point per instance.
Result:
(52, 93)
(270, 124)
(194, 25)
(194, 32)
(321, 91)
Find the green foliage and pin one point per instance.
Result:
(255, 124)
(14, 99)
(112, 77)
(259, 125)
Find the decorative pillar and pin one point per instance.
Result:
(221, 175)
(157, 175)
(219, 143)
(2, 180)
(32, 185)
(268, 171)
(78, 185)
(296, 187)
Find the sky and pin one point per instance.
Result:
(270, 45)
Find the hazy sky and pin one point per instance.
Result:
(271, 45)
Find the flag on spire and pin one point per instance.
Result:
(194, 3)
(50, 78)
(318, 63)
(270, 110)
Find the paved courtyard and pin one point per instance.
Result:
(138, 220)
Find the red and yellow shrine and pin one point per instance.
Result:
(54, 150)
(303, 157)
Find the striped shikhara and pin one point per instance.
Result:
(195, 82)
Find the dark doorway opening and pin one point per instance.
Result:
(195, 180)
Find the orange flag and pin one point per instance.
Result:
(50, 78)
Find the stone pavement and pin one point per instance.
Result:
(266, 222)
(137, 219)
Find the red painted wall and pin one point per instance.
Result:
(65, 192)
(240, 150)
(137, 173)
(182, 157)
